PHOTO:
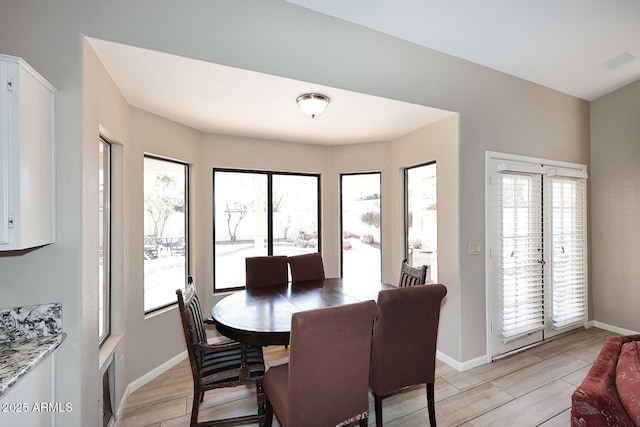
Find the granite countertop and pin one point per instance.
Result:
(27, 336)
(18, 358)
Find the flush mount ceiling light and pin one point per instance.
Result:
(313, 104)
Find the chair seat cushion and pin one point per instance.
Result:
(276, 385)
(223, 367)
(628, 379)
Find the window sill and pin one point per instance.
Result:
(160, 311)
(107, 349)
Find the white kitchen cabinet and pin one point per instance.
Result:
(31, 402)
(27, 170)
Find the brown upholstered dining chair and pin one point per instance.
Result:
(228, 364)
(411, 276)
(325, 382)
(306, 267)
(403, 348)
(266, 271)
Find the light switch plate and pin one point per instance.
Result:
(474, 249)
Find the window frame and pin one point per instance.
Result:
(187, 225)
(405, 174)
(269, 174)
(379, 173)
(106, 239)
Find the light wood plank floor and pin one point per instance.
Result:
(532, 388)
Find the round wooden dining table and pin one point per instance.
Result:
(262, 316)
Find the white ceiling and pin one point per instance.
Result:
(585, 48)
(219, 99)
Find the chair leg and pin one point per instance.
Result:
(431, 403)
(378, 407)
(197, 395)
(261, 398)
(364, 422)
(268, 416)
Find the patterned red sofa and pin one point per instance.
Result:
(610, 394)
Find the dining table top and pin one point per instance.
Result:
(262, 316)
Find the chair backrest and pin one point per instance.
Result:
(266, 271)
(403, 348)
(192, 324)
(306, 267)
(411, 276)
(329, 364)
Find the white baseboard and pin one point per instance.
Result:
(149, 376)
(610, 328)
(462, 366)
(152, 374)
(120, 408)
(136, 384)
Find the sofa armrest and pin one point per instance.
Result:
(595, 402)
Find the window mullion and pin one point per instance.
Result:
(270, 213)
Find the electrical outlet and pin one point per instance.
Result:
(474, 249)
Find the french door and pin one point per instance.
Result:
(536, 257)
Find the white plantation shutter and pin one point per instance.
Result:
(568, 250)
(517, 260)
(537, 259)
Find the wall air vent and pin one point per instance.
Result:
(619, 61)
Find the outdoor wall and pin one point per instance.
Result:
(615, 192)
(497, 112)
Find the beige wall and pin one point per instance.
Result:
(615, 207)
(497, 112)
(154, 339)
(153, 134)
(510, 116)
(54, 273)
(156, 135)
(438, 142)
(106, 114)
(370, 157)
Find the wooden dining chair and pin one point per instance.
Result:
(306, 267)
(266, 271)
(325, 382)
(403, 348)
(213, 366)
(411, 276)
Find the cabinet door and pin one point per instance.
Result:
(29, 403)
(4, 154)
